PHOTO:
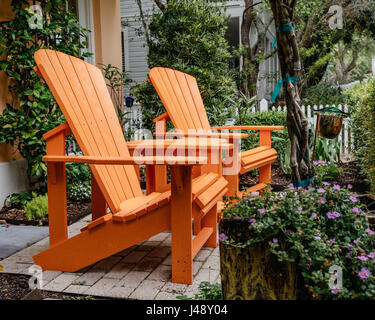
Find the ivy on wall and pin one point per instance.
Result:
(33, 110)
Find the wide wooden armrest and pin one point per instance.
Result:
(178, 160)
(210, 144)
(222, 135)
(259, 128)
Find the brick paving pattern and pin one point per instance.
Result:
(140, 272)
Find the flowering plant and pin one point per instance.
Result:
(321, 226)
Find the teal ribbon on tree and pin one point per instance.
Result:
(284, 28)
(280, 85)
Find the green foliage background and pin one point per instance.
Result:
(33, 110)
(361, 99)
(189, 36)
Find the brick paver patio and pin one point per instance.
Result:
(140, 272)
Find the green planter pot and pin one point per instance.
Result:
(253, 272)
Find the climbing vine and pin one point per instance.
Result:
(32, 110)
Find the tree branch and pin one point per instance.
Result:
(160, 5)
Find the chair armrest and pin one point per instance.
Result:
(211, 144)
(163, 117)
(260, 128)
(189, 161)
(222, 135)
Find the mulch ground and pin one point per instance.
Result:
(16, 216)
(350, 174)
(16, 287)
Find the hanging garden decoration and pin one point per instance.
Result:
(329, 123)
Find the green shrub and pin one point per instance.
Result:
(16, 200)
(323, 93)
(79, 192)
(266, 118)
(207, 291)
(190, 36)
(33, 110)
(37, 208)
(78, 172)
(362, 101)
(322, 226)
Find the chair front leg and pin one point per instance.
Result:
(181, 218)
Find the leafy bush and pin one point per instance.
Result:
(37, 208)
(190, 36)
(78, 172)
(16, 200)
(33, 111)
(322, 226)
(207, 291)
(266, 118)
(79, 192)
(323, 93)
(361, 100)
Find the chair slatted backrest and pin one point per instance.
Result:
(181, 97)
(81, 92)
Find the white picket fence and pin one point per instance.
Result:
(346, 135)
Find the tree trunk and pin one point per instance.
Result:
(290, 65)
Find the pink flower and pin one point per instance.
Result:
(314, 215)
(356, 210)
(336, 187)
(353, 198)
(371, 255)
(261, 211)
(370, 232)
(322, 200)
(222, 237)
(364, 273)
(335, 290)
(321, 190)
(362, 258)
(350, 186)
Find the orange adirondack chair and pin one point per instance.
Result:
(180, 95)
(80, 91)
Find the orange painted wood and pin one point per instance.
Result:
(258, 164)
(56, 185)
(64, 127)
(192, 143)
(181, 217)
(93, 245)
(246, 161)
(204, 183)
(163, 117)
(218, 197)
(150, 179)
(211, 192)
(265, 173)
(193, 161)
(265, 138)
(98, 203)
(180, 95)
(255, 188)
(260, 128)
(210, 221)
(201, 239)
(100, 221)
(81, 93)
(209, 134)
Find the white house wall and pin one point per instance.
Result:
(136, 48)
(12, 178)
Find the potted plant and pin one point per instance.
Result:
(282, 245)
